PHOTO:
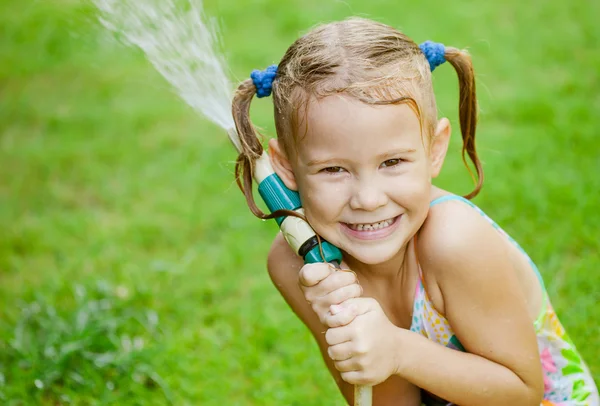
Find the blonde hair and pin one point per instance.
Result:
(365, 60)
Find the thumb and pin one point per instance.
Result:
(312, 274)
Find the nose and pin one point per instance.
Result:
(368, 195)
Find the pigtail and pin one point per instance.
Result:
(252, 149)
(467, 111)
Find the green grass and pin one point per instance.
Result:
(131, 271)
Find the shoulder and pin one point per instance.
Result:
(458, 245)
(455, 231)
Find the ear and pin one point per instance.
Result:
(439, 146)
(281, 164)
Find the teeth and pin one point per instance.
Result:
(373, 226)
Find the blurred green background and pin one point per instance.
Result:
(131, 271)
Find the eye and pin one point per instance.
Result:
(333, 169)
(391, 162)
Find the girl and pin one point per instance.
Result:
(441, 306)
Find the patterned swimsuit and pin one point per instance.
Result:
(567, 380)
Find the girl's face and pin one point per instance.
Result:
(363, 173)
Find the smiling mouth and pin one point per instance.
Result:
(371, 226)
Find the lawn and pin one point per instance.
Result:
(131, 270)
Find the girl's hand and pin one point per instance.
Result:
(323, 285)
(364, 344)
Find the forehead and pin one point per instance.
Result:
(339, 123)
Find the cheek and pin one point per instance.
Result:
(412, 191)
(321, 200)
(423, 171)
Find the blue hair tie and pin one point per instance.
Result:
(434, 52)
(263, 80)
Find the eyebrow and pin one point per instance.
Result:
(380, 157)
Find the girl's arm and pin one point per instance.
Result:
(284, 265)
(487, 308)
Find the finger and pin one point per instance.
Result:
(348, 365)
(337, 280)
(328, 306)
(312, 274)
(342, 294)
(360, 305)
(340, 352)
(337, 335)
(334, 281)
(315, 294)
(355, 378)
(339, 315)
(324, 302)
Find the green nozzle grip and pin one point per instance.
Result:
(277, 196)
(330, 252)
